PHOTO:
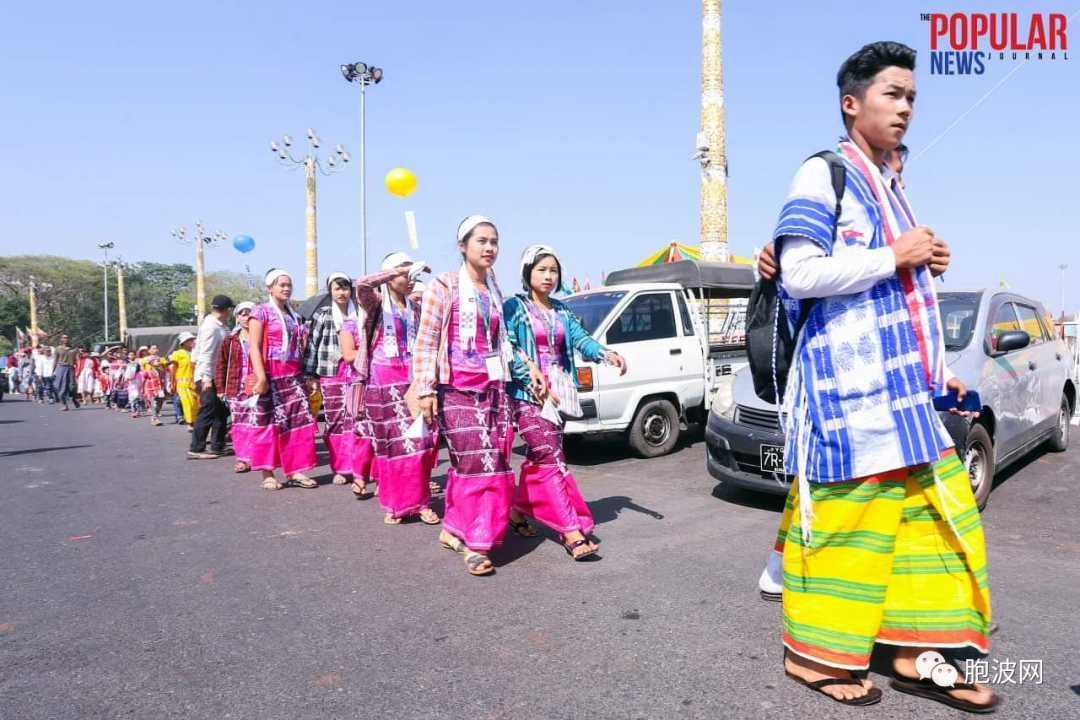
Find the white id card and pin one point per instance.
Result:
(551, 413)
(494, 366)
(418, 429)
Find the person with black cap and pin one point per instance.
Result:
(212, 412)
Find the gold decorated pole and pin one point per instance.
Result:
(33, 315)
(714, 221)
(200, 278)
(122, 303)
(311, 238)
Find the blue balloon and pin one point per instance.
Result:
(243, 243)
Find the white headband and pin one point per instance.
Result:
(246, 305)
(273, 275)
(393, 260)
(529, 256)
(469, 223)
(337, 276)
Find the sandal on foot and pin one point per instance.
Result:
(872, 696)
(522, 529)
(359, 488)
(271, 484)
(241, 467)
(428, 517)
(302, 481)
(930, 690)
(571, 547)
(478, 564)
(340, 479)
(391, 520)
(455, 544)
(201, 455)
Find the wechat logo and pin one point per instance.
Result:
(931, 665)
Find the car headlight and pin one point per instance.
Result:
(723, 402)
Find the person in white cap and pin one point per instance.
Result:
(404, 458)
(284, 435)
(322, 358)
(460, 367)
(546, 336)
(233, 367)
(183, 373)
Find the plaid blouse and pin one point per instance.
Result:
(323, 351)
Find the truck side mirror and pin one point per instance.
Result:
(1013, 340)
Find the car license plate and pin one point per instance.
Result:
(772, 458)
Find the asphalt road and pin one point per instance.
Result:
(136, 583)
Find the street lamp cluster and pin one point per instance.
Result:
(199, 239)
(327, 166)
(364, 75)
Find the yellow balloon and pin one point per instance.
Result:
(401, 182)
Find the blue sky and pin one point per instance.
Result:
(566, 122)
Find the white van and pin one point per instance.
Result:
(681, 328)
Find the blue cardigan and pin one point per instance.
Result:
(519, 329)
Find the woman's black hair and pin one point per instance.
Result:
(342, 283)
(526, 272)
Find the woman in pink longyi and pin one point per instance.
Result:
(284, 432)
(460, 367)
(404, 454)
(545, 335)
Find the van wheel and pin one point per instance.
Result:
(979, 461)
(1060, 441)
(655, 430)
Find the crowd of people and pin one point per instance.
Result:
(396, 370)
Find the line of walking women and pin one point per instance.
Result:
(396, 377)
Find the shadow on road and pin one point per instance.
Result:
(748, 498)
(35, 451)
(10, 422)
(597, 450)
(607, 509)
(1020, 465)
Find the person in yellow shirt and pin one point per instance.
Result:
(183, 372)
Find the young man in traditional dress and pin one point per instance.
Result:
(885, 543)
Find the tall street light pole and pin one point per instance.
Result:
(120, 299)
(311, 163)
(1062, 268)
(33, 314)
(105, 282)
(364, 75)
(200, 239)
(712, 151)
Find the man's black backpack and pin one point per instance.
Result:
(768, 336)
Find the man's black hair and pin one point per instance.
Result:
(859, 70)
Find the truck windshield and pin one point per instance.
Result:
(591, 309)
(959, 311)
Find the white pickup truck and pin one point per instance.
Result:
(681, 328)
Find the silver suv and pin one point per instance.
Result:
(999, 343)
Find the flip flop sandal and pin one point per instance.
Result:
(929, 690)
(340, 479)
(522, 529)
(574, 546)
(478, 564)
(271, 484)
(391, 520)
(872, 696)
(428, 517)
(306, 483)
(241, 467)
(359, 490)
(201, 456)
